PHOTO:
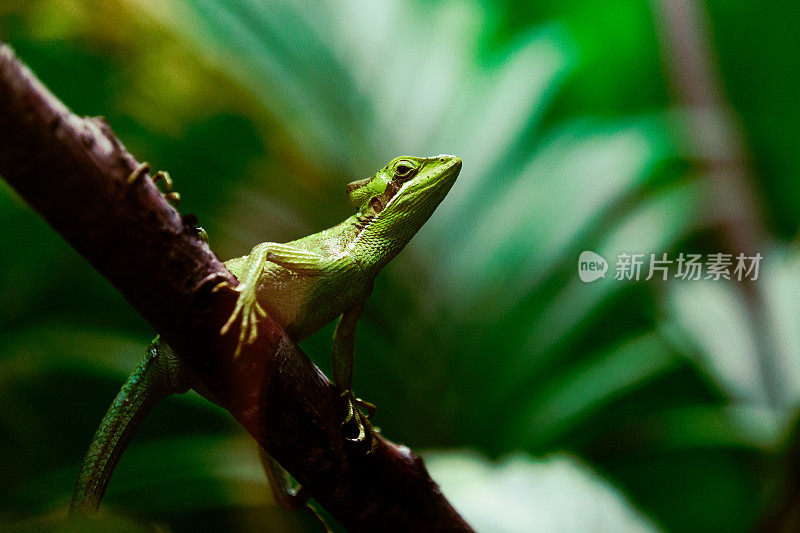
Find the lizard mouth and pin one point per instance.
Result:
(450, 171)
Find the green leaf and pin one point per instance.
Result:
(575, 393)
(520, 493)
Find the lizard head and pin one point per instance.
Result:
(408, 187)
(399, 198)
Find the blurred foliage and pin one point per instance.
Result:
(519, 494)
(479, 336)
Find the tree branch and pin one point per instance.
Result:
(73, 171)
(714, 133)
(717, 136)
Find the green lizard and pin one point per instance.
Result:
(303, 285)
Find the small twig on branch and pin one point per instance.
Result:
(73, 171)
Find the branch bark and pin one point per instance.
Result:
(73, 171)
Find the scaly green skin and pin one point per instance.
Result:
(303, 285)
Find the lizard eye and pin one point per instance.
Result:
(404, 170)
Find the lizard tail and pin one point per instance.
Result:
(156, 377)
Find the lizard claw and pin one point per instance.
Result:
(171, 196)
(219, 286)
(138, 171)
(356, 426)
(248, 308)
(367, 406)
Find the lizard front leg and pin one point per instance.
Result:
(247, 306)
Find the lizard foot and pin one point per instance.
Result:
(356, 427)
(249, 309)
(171, 196)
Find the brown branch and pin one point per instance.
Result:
(73, 171)
(717, 137)
(714, 132)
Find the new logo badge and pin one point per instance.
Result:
(591, 266)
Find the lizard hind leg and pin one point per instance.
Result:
(356, 427)
(280, 483)
(159, 375)
(283, 492)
